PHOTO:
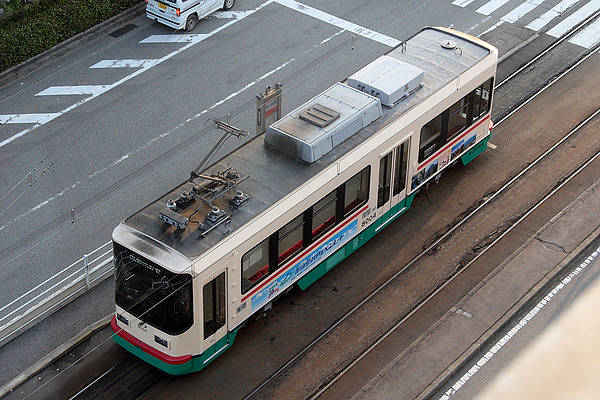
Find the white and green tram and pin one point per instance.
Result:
(291, 204)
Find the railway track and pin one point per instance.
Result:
(447, 234)
(147, 381)
(465, 267)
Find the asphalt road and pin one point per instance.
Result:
(133, 133)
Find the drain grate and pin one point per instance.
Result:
(123, 30)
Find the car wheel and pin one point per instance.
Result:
(228, 4)
(191, 22)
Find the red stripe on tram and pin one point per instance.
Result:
(308, 250)
(452, 143)
(146, 348)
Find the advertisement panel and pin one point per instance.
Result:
(319, 254)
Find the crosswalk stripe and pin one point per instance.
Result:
(589, 36)
(549, 15)
(27, 118)
(124, 63)
(520, 11)
(575, 18)
(462, 3)
(491, 6)
(73, 90)
(184, 38)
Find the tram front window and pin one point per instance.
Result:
(158, 297)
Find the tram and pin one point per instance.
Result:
(290, 205)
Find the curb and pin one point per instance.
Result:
(54, 355)
(488, 335)
(34, 63)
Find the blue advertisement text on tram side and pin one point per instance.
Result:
(312, 259)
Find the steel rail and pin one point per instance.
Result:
(415, 259)
(342, 319)
(432, 295)
(547, 50)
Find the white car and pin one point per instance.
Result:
(184, 14)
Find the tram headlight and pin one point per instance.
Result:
(161, 341)
(122, 319)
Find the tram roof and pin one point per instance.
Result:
(272, 175)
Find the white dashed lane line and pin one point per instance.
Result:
(27, 118)
(72, 90)
(187, 39)
(125, 63)
(346, 25)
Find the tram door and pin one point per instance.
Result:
(392, 184)
(214, 309)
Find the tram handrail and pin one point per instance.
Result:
(55, 292)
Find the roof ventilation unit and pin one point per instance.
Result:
(388, 79)
(315, 128)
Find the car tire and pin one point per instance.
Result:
(228, 4)
(191, 22)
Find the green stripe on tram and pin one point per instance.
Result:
(197, 363)
(381, 222)
(354, 244)
(475, 151)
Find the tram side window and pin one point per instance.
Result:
(482, 99)
(356, 191)
(255, 265)
(290, 239)
(458, 117)
(214, 305)
(385, 178)
(323, 215)
(431, 134)
(400, 168)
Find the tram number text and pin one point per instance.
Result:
(366, 221)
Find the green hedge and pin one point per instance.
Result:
(49, 22)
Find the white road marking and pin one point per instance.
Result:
(492, 146)
(333, 20)
(163, 135)
(482, 22)
(491, 6)
(491, 28)
(72, 90)
(589, 36)
(146, 145)
(549, 15)
(124, 63)
(516, 328)
(195, 40)
(227, 15)
(26, 119)
(520, 11)
(184, 38)
(462, 3)
(564, 26)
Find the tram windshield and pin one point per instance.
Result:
(158, 297)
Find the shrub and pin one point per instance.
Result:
(40, 26)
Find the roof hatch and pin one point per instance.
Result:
(315, 128)
(388, 79)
